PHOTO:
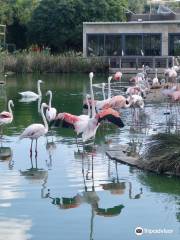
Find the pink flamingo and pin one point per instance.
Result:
(85, 124)
(36, 130)
(115, 102)
(6, 117)
(118, 76)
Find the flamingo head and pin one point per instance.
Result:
(109, 78)
(103, 85)
(44, 105)
(11, 103)
(48, 92)
(91, 75)
(117, 76)
(40, 81)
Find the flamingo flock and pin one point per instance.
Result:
(108, 109)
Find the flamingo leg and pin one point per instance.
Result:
(1, 132)
(77, 142)
(36, 149)
(31, 148)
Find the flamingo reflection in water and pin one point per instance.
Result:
(89, 196)
(117, 187)
(6, 155)
(50, 148)
(34, 174)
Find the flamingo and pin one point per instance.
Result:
(115, 102)
(30, 94)
(36, 130)
(85, 124)
(133, 90)
(155, 81)
(100, 102)
(117, 76)
(136, 100)
(50, 111)
(7, 117)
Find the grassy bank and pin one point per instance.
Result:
(39, 62)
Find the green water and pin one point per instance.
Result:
(71, 194)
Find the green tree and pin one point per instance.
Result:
(15, 14)
(137, 6)
(59, 23)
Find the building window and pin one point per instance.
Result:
(95, 45)
(130, 44)
(113, 45)
(133, 45)
(174, 44)
(152, 44)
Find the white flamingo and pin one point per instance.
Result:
(36, 130)
(50, 111)
(155, 81)
(7, 117)
(33, 95)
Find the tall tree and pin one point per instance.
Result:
(15, 14)
(59, 23)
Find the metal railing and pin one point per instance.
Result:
(137, 61)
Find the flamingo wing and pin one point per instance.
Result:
(4, 115)
(33, 131)
(65, 120)
(112, 116)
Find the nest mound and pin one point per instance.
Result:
(162, 154)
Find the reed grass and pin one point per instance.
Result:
(39, 62)
(162, 154)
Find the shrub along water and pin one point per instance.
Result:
(43, 62)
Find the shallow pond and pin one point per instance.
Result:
(66, 193)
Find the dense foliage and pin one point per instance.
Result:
(58, 23)
(55, 23)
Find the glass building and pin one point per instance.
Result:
(133, 38)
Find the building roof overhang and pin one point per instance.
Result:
(132, 22)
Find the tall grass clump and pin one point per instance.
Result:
(162, 154)
(40, 62)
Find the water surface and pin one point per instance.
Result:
(68, 193)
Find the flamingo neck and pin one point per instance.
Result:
(39, 89)
(50, 98)
(44, 118)
(109, 87)
(104, 97)
(89, 110)
(92, 98)
(9, 107)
